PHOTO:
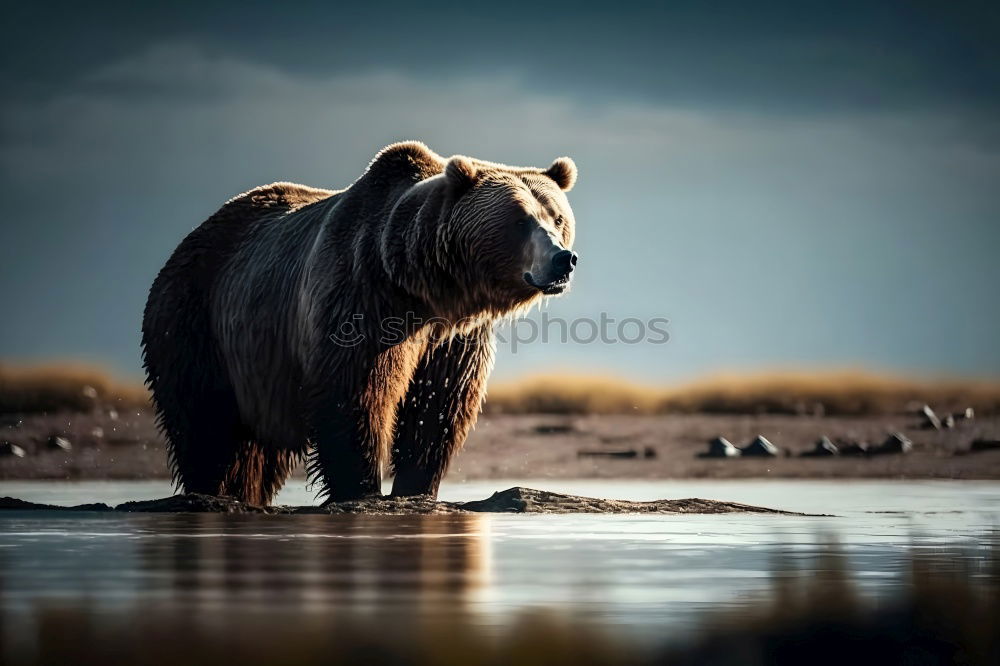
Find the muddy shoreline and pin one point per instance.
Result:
(126, 446)
(512, 500)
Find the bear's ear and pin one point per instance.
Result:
(563, 171)
(461, 174)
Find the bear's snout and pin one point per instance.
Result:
(563, 263)
(555, 275)
(552, 265)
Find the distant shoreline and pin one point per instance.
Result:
(128, 447)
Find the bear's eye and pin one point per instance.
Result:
(559, 221)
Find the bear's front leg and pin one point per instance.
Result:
(352, 415)
(440, 408)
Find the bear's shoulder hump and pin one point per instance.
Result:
(282, 195)
(405, 158)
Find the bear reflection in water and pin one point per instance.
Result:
(317, 562)
(236, 602)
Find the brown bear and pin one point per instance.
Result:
(354, 327)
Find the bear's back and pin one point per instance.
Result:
(276, 198)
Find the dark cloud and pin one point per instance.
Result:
(784, 57)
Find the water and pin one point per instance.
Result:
(650, 576)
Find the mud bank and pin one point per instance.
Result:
(512, 500)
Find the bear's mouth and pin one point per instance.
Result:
(548, 288)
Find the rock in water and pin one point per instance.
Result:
(949, 422)
(824, 447)
(969, 414)
(896, 443)
(720, 447)
(11, 449)
(760, 447)
(931, 420)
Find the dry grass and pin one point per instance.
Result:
(75, 387)
(64, 387)
(822, 392)
(567, 394)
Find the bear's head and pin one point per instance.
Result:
(470, 238)
(509, 233)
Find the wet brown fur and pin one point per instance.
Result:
(237, 334)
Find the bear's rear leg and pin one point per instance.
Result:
(258, 473)
(198, 414)
(204, 438)
(219, 459)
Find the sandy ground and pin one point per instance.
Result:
(127, 446)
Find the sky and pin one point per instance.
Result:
(797, 184)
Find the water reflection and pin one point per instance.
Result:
(578, 585)
(314, 562)
(815, 611)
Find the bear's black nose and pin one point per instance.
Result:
(563, 262)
